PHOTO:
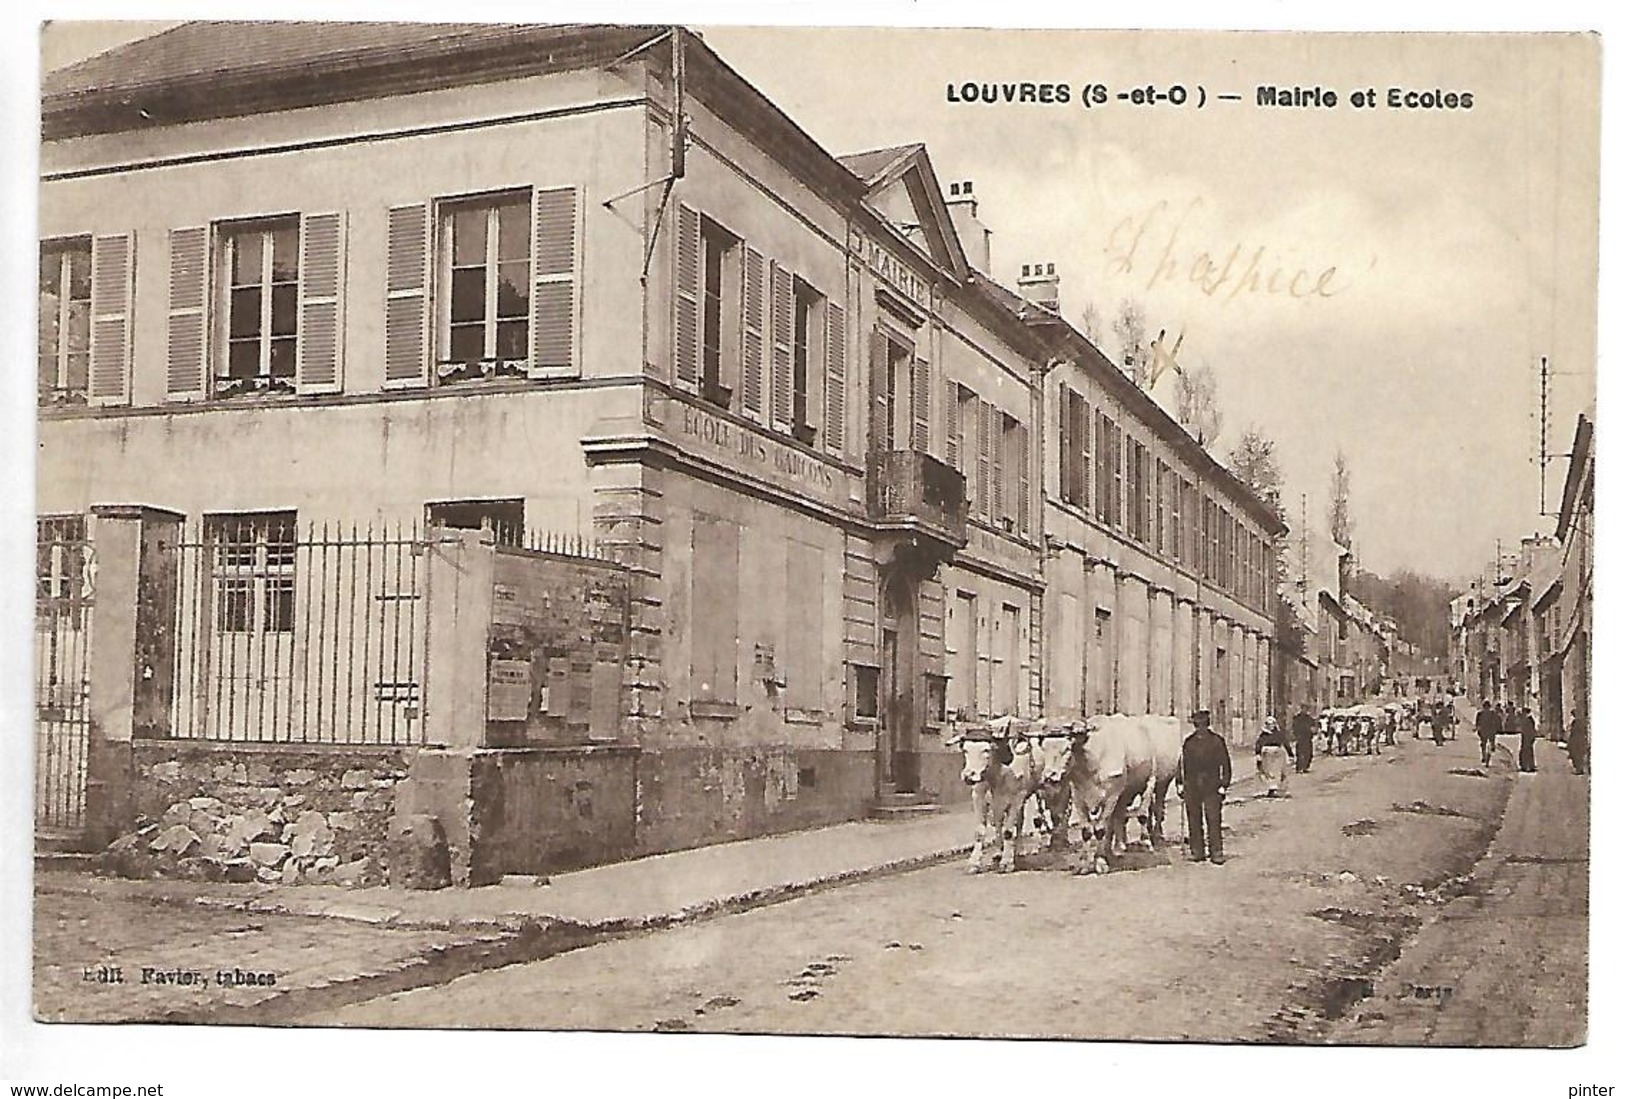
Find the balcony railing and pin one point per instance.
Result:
(910, 488)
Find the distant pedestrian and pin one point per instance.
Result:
(1579, 743)
(1271, 754)
(1203, 777)
(1488, 726)
(1436, 719)
(1526, 740)
(1303, 736)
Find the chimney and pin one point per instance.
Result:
(973, 235)
(1040, 285)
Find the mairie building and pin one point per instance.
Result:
(588, 283)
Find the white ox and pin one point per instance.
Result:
(1002, 772)
(1115, 759)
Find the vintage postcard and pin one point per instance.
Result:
(816, 531)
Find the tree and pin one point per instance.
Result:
(1091, 323)
(1197, 404)
(1253, 462)
(1340, 522)
(1129, 328)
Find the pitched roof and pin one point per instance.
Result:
(216, 69)
(873, 163)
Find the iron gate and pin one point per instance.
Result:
(63, 594)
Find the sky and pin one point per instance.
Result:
(1425, 260)
(1463, 242)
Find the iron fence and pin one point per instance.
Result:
(316, 637)
(64, 579)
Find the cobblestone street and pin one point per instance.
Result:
(1286, 942)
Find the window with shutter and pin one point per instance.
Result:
(321, 283)
(686, 335)
(750, 384)
(950, 423)
(999, 428)
(922, 406)
(835, 380)
(258, 298)
(406, 306)
(187, 346)
(553, 318)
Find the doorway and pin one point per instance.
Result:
(898, 745)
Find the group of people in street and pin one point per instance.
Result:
(1494, 721)
(1205, 769)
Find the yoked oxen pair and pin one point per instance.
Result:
(1002, 771)
(1103, 767)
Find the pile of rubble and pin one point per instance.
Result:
(204, 839)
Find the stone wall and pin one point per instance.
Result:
(526, 810)
(689, 797)
(272, 813)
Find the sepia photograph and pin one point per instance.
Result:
(835, 531)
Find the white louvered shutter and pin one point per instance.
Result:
(835, 379)
(321, 287)
(950, 422)
(112, 282)
(984, 457)
(406, 306)
(921, 399)
(750, 383)
(784, 335)
(187, 349)
(996, 430)
(686, 352)
(553, 300)
(1023, 481)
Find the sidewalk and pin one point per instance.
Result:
(326, 943)
(1506, 963)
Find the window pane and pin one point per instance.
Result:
(244, 358)
(284, 310)
(468, 295)
(78, 378)
(467, 342)
(245, 259)
(234, 597)
(513, 231)
(468, 237)
(511, 339)
(512, 298)
(282, 357)
(79, 274)
(245, 312)
(50, 272)
(279, 604)
(285, 254)
(78, 327)
(49, 319)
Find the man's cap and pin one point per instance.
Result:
(1202, 717)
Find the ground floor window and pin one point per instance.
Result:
(504, 518)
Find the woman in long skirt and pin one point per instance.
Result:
(1272, 756)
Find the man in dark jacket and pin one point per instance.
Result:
(1303, 737)
(1579, 743)
(1527, 733)
(1488, 725)
(1204, 776)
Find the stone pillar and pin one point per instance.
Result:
(458, 589)
(1163, 690)
(132, 654)
(628, 522)
(1183, 678)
